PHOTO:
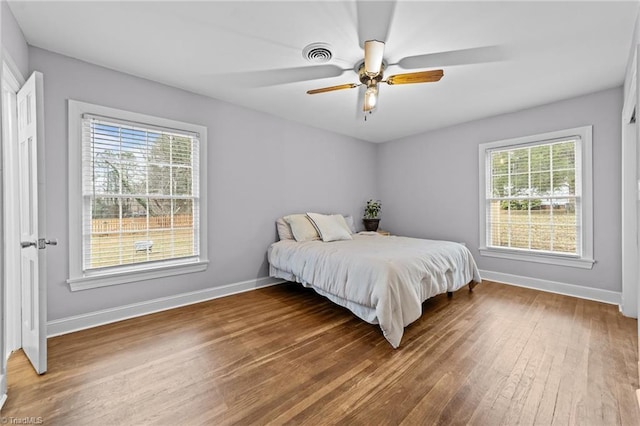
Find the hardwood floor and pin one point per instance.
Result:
(499, 355)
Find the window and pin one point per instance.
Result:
(536, 198)
(136, 196)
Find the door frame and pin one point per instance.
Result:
(11, 214)
(3, 361)
(10, 296)
(629, 301)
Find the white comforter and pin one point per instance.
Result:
(390, 275)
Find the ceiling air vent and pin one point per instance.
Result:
(317, 52)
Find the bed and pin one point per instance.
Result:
(381, 279)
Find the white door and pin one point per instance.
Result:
(629, 300)
(637, 178)
(3, 357)
(32, 215)
(3, 367)
(3, 343)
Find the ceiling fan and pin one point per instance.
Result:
(371, 74)
(374, 20)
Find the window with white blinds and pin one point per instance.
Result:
(533, 196)
(140, 193)
(140, 202)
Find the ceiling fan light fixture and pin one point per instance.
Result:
(370, 98)
(373, 52)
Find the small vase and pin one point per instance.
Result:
(371, 224)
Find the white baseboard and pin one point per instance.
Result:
(107, 316)
(589, 293)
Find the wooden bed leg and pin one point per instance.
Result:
(449, 294)
(472, 284)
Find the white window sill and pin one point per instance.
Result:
(121, 277)
(549, 259)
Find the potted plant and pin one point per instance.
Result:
(371, 212)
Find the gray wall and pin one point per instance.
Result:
(429, 183)
(260, 167)
(13, 41)
(635, 40)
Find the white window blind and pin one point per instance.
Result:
(140, 194)
(534, 197)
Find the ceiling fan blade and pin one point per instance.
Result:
(416, 77)
(374, 20)
(274, 77)
(332, 88)
(476, 55)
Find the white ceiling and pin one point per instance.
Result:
(551, 51)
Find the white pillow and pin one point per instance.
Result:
(301, 227)
(342, 221)
(352, 226)
(330, 227)
(284, 230)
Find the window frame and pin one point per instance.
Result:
(80, 279)
(585, 260)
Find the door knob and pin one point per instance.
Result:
(41, 243)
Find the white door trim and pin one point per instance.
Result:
(629, 165)
(10, 314)
(634, 92)
(10, 86)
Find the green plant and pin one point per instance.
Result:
(372, 209)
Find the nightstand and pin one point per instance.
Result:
(385, 233)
